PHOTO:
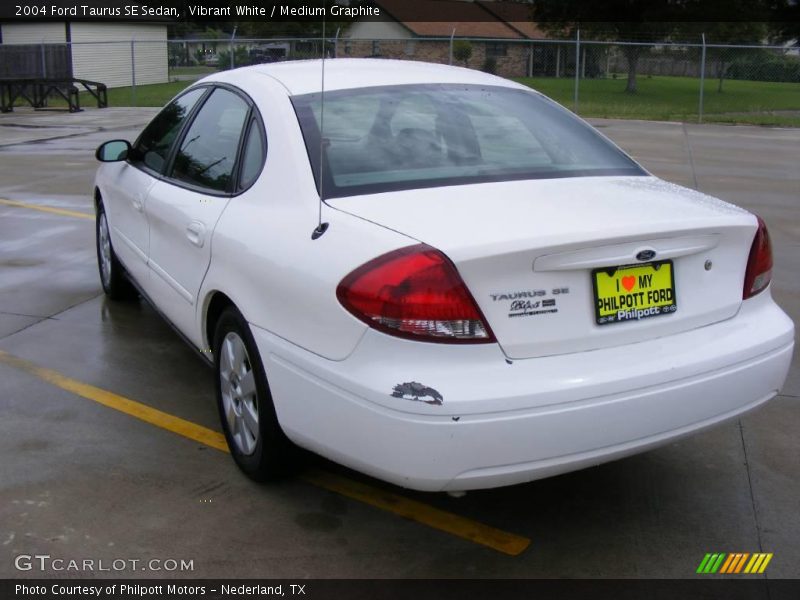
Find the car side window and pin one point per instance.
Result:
(254, 155)
(208, 151)
(153, 146)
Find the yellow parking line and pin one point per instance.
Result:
(49, 209)
(502, 541)
(145, 413)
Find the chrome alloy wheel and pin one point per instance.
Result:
(105, 251)
(239, 396)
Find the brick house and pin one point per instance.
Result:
(498, 34)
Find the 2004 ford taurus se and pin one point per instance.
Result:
(433, 275)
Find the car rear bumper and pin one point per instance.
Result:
(500, 422)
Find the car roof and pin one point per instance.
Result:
(305, 76)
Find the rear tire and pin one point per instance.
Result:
(255, 438)
(112, 274)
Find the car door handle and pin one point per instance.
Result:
(196, 232)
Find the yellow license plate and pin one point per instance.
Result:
(634, 292)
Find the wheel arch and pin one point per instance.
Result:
(216, 303)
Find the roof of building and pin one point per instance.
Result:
(438, 18)
(517, 15)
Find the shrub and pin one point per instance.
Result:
(462, 51)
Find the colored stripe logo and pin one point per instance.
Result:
(735, 562)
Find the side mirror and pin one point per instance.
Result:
(113, 151)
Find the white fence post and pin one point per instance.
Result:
(133, 73)
(577, 66)
(44, 61)
(702, 79)
(233, 35)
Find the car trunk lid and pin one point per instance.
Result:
(534, 253)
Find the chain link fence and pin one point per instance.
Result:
(696, 81)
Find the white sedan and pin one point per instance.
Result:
(433, 275)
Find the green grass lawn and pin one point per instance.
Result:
(196, 70)
(146, 95)
(157, 94)
(676, 99)
(658, 99)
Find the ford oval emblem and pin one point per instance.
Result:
(646, 255)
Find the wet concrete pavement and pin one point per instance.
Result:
(80, 480)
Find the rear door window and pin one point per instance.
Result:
(254, 154)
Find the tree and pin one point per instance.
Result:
(784, 23)
(728, 32)
(646, 22)
(749, 28)
(462, 51)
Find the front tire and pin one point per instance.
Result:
(112, 274)
(255, 439)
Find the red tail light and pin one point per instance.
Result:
(759, 265)
(414, 293)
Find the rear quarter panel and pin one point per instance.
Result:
(263, 257)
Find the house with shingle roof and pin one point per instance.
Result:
(496, 33)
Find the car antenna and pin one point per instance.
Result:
(321, 227)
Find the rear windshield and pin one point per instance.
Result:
(391, 138)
